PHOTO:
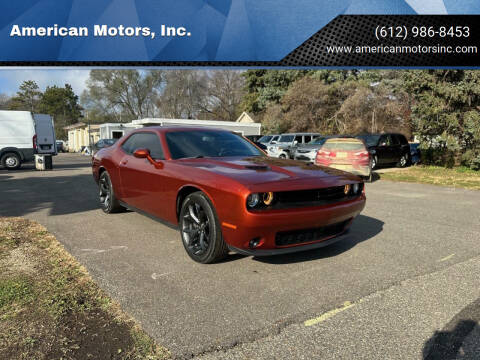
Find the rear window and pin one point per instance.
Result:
(340, 144)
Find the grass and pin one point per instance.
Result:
(460, 177)
(51, 308)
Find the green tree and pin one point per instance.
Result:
(62, 104)
(446, 112)
(27, 97)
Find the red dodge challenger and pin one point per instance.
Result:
(224, 193)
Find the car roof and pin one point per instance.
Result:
(163, 129)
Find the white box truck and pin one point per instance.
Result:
(22, 135)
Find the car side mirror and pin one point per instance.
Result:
(145, 154)
(383, 144)
(295, 142)
(142, 153)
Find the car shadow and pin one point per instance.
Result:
(60, 194)
(363, 228)
(451, 342)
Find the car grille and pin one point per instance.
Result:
(286, 238)
(311, 197)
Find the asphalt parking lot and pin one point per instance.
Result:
(406, 278)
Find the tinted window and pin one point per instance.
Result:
(385, 140)
(402, 139)
(370, 140)
(308, 138)
(275, 138)
(194, 144)
(145, 140)
(395, 140)
(298, 138)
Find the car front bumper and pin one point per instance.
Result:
(269, 226)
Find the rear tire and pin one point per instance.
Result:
(11, 161)
(200, 230)
(108, 200)
(403, 162)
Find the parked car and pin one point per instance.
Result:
(22, 135)
(348, 154)
(253, 138)
(415, 153)
(224, 193)
(60, 146)
(268, 139)
(386, 149)
(308, 152)
(102, 143)
(287, 144)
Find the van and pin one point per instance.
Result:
(22, 135)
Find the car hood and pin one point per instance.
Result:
(266, 170)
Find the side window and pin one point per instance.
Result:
(402, 139)
(129, 145)
(385, 139)
(275, 138)
(308, 138)
(298, 138)
(145, 140)
(151, 142)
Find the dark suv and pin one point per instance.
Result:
(387, 149)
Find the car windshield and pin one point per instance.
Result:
(344, 144)
(109, 141)
(370, 140)
(265, 138)
(197, 144)
(286, 138)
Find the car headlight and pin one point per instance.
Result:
(256, 199)
(253, 200)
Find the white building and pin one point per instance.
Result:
(116, 130)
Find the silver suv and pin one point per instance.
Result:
(287, 144)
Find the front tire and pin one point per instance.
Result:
(200, 230)
(374, 162)
(108, 201)
(11, 161)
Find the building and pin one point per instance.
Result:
(245, 117)
(116, 130)
(81, 135)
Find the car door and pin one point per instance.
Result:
(141, 181)
(384, 151)
(396, 148)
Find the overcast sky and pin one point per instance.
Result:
(11, 79)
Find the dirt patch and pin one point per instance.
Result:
(50, 308)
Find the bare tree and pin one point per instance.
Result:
(4, 101)
(124, 91)
(224, 91)
(183, 93)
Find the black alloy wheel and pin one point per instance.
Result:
(200, 230)
(108, 200)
